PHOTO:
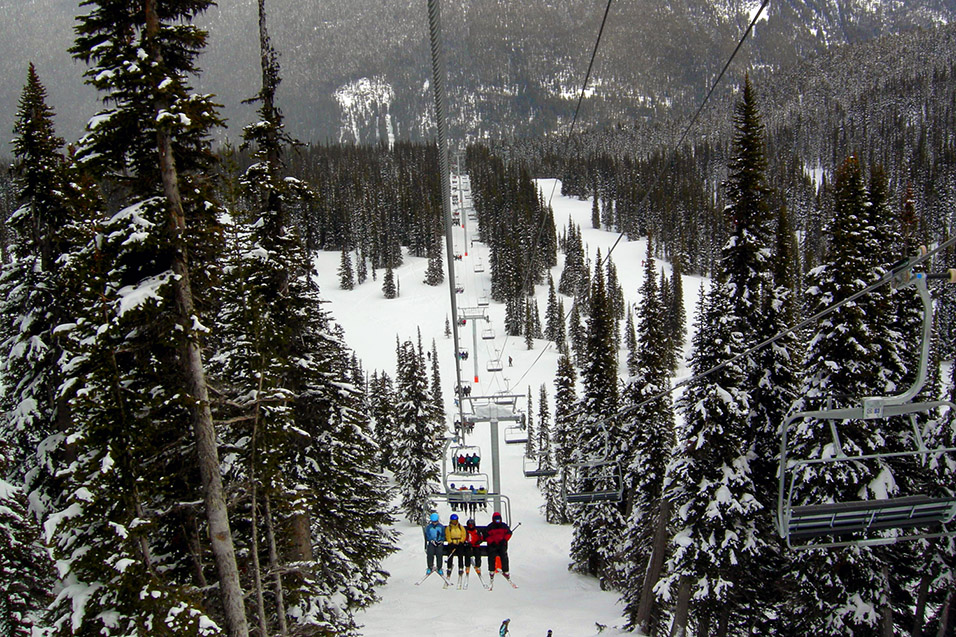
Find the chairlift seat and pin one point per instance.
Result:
(488, 334)
(482, 301)
(494, 365)
(588, 497)
(867, 515)
(516, 435)
(533, 469)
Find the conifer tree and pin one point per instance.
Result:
(34, 300)
(551, 316)
(649, 368)
(844, 359)
(436, 380)
(418, 435)
(25, 567)
(528, 325)
(576, 333)
(346, 274)
(710, 487)
(565, 399)
(382, 409)
(531, 445)
(361, 267)
(136, 345)
(597, 527)
(388, 284)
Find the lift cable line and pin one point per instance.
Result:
(438, 85)
(665, 167)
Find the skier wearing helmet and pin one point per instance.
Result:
(455, 536)
(497, 534)
(434, 542)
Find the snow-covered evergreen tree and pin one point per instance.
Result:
(389, 289)
(598, 527)
(419, 430)
(842, 591)
(565, 399)
(653, 441)
(710, 486)
(25, 567)
(346, 273)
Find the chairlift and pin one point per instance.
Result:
(483, 301)
(806, 524)
(488, 334)
(494, 365)
(504, 398)
(597, 479)
(462, 353)
(533, 469)
(468, 485)
(516, 435)
(479, 266)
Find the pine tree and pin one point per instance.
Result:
(436, 380)
(528, 325)
(346, 275)
(844, 359)
(714, 540)
(565, 399)
(25, 567)
(388, 284)
(136, 345)
(653, 440)
(598, 527)
(552, 316)
(531, 445)
(434, 273)
(418, 436)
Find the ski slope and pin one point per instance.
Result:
(549, 596)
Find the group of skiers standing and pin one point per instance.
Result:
(465, 543)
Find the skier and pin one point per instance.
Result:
(434, 542)
(455, 536)
(473, 540)
(504, 628)
(497, 534)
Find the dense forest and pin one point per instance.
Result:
(190, 447)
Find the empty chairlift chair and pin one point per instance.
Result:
(516, 435)
(594, 479)
(804, 521)
(488, 333)
(533, 468)
(494, 365)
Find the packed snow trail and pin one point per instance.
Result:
(550, 596)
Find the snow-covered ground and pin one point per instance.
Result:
(549, 596)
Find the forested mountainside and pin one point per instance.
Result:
(355, 69)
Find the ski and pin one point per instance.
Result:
(444, 579)
(460, 576)
(427, 575)
(508, 578)
(481, 579)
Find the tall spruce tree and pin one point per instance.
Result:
(844, 359)
(565, 399)
(419, 429)
(710, 486)
(653, 427)
(136, 345)
(595, 546)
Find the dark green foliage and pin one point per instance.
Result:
(346, 274)
(389, 289)
(417, 435)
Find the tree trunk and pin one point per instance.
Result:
(703, 625)
(944, 615)
(645, 608)
(919, 615)
(302, 537)
(274, 566)
(194, 373)
(254, 524)
(682, 610)
(887, 612)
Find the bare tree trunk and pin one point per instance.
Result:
(194, 372)
(919, 616)
(944, 615)
(887, 612)
(191, 531)
(302, 537)
(682, 610)
(274, 565)
(645, 608)
(253, 484)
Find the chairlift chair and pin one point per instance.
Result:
(479, 266)
(488, 333)
(533, 469)
(483, 301)
(804, 524)
(494, 365)
(595, 479)
(516, 435)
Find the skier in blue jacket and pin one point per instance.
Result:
(434, 542)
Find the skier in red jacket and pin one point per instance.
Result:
(497, 535)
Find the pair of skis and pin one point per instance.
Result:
(491, 586)
(444, 579)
